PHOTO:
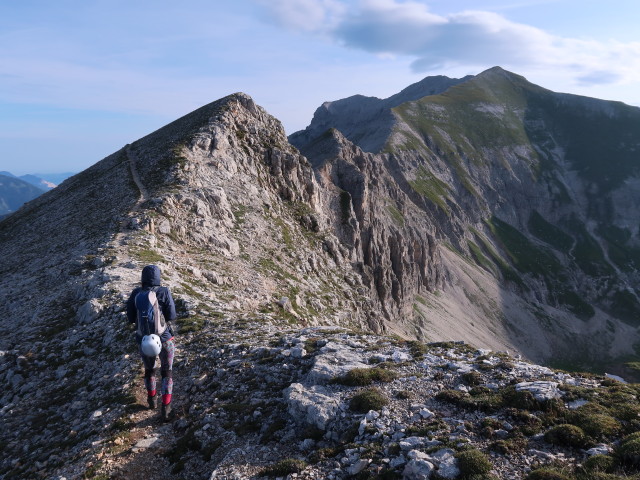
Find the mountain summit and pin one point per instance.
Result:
(367, 121)
(529, 195)
(486, 210)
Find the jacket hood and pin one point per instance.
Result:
(151, 276)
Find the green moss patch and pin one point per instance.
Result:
(526, 256)
(547, 474)
(369, 399)
(190, 324)
(508, 273)
(480, 258)
(599, 463)
(148, 256)
(429, 186)
(472, 378)
(473, 462)
(360, 377)
(587, 251)
(417, 349)
(567, 435)
(596, 425)
(395, 214)
(628, 452)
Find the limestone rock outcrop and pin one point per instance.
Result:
(478, 209)
(492, 203)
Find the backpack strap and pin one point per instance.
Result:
(160, 322)
(143, 330)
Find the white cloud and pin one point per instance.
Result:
(304, 15)
(473, 39)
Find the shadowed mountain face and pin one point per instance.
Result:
(14, 192)
(491, 210)
(367, 121)
(536, 189)
(485, 209)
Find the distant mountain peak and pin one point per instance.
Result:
(349, 115)
(502, 167)
(483, 210)
(14, 192)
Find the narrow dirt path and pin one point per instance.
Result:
(140, 449)
(143, 449)
(118, 239)
(133, 164)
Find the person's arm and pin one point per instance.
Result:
(132, 314)
(169, 307)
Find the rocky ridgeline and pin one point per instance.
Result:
(228, 210)
(367, 121)
(257, 399)
(533, 188)
(261, 248)
(242, 208)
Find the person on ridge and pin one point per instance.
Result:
(151, 307)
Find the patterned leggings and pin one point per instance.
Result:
(166, 365)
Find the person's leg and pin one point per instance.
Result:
(149, 379)
(166, 368)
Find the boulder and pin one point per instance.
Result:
(334, 360)
(541, 390)
(446, 462)
(417, 469)
(89, 311)
(311, 405)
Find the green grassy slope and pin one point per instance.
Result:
(497, 123)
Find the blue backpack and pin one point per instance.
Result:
(150, 318)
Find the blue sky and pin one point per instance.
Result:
(79, 79)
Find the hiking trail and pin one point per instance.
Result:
(133, 161)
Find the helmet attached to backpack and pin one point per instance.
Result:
(151, 345)
(150, 319)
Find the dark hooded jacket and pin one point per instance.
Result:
(151, 280)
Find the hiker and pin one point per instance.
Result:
(151, 307)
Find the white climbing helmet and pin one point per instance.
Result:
(151, 345)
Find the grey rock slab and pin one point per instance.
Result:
(311, 405)
(334, 360)
(411, 443)
(541, 390)
(360, 465)
(448, 468)
(600, 449)
(372, 415)
(298, 352)
(615, 377)
(418, 469)
(426, 413)
(145, 443)
(440, 455)
(528, 370)
(22, 362)
(89, 311)
(417, 454)
(400, 356)
(362, 427)
(397, 461)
